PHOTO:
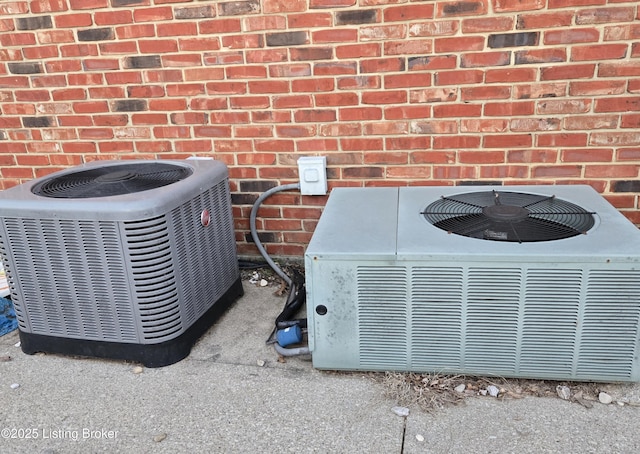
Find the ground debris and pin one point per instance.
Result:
(434, 391)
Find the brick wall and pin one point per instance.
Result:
(393, 92)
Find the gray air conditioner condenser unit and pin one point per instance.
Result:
(517, 281)
(128, 260)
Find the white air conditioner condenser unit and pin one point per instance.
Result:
(517, 281)
(129, 260)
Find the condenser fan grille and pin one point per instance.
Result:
(111, 180)
(509, 216)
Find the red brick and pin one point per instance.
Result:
(296, 131)
(503, 6)
(483, 59)
(591, 122)
(358, 50)
(315, 85)
(433, 157)
(531, 124)
(457, 110)
(532, 155)
(386, 32)
(359, 82)
(149, 119)
(153, 14)
(538, 56)
(113, 17)
(586, 155)
(216, 26)
(556, 171)
(308, 20)
(459, 77)
(564, 106)
(461, 8)
(242, 41)
(615, 138)
(181, 29)
(408, 47)
(157, 46)
(456, 142)
(431, 63)
(407, 143)
(511, 75)
(408, 12)
(335, 36)
(504, 171)
(362, 144)
(407, 80)
(382, 65)
(480, 157)
(341, 130)
(17, 39)
(384, 97)
(249, 102)
(313, 115)
(385, 128)
(290, 70)
(406, 112)
(459, 44)
(167, 104)
(599, 52)
(507, 141)
(293, 101)
(630, 121)
(562, 140)
(336, 99)
(198, 44)
(620, 104)
(485, 92)
(604, 15)
(127, 47)
(568, 3)
(268, 86)
(430, 95)
(72, 20)
(597, 88)
(193, 146)
(545, 20)
(168, 132)
(571, 36)
(625, 69)
(584, 71)
(487, 24)
(32, 95)
(55, 36)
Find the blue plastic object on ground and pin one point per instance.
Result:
(288, 336)
(8, 321)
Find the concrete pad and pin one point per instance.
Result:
(531, 425)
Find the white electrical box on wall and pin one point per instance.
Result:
(313, 175)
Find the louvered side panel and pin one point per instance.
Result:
(382, 317)
(492, 319)
(153, 272)
(551, 310)
(436, 318)
(609, 335)
(206, 255)
(68, 279)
